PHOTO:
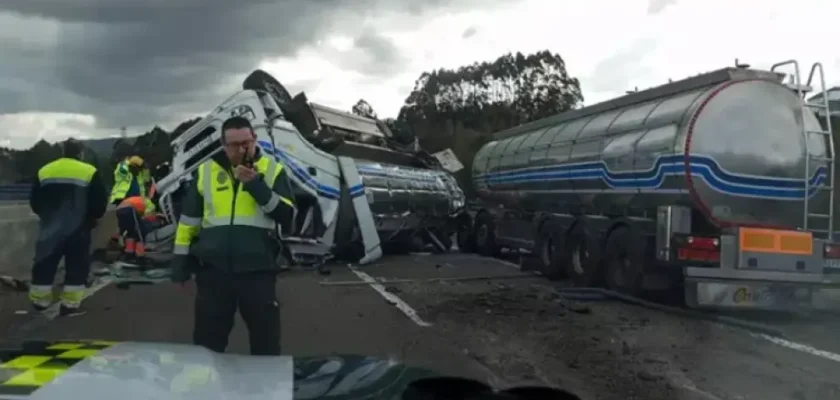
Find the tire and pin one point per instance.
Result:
(485, 236)
(263, 81)
(624, 261)
(548, 251)
(582, 256)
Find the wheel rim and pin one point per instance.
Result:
(577, 263)
(548, 252)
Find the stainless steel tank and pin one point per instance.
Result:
(404, 198)
(729, 143)
(406, 188)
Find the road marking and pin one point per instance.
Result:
(800, 347)
(52, 311)
(390, 297)
(700, 392)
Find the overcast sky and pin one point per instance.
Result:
(84, 68)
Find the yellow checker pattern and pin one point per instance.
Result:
(37, 363)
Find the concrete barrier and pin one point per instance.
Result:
(19, 229)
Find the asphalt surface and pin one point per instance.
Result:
(511, 331)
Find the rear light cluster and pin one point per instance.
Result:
(831, 250)
(697, 248)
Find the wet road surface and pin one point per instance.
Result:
(510, 331)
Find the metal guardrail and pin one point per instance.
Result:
(15, 192)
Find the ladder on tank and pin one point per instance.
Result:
(829, 160)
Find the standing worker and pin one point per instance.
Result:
(229, 224)
(68, 196)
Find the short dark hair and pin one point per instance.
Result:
(72, 148)
(236, 123)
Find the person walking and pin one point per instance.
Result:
(68, 196)
(227, 236)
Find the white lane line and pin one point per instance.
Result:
(391, 298)
(52, 311)
(700, 392)
(800, 347)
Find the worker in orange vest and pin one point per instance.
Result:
(135, 218)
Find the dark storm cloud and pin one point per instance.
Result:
(133, 62)
(372, 55)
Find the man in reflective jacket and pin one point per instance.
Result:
(131, 178)
(229, 224)
(68, 196)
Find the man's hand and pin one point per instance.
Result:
(179, 271)
(245, 174)
(180, 275)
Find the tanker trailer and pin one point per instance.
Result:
(359, 189)
(720, 184)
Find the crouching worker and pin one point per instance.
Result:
(135, 218)
(68, 197)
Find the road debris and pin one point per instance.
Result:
(428, 280)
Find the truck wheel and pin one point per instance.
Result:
(485, 237)
(624, 261)
(548, 252)
(582, 256)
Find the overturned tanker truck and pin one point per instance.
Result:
(359, 189)
(719, 185)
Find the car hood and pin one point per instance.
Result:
(130, 370)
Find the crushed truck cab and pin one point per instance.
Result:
(358, 190)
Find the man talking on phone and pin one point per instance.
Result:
(227, 236)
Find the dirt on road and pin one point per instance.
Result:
(525, 332)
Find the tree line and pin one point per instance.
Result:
(447, 108)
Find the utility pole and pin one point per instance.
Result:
(123, 133)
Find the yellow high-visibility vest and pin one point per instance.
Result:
(216, 186)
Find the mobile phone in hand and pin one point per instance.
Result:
(248, 161)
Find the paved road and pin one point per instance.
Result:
(506, 332)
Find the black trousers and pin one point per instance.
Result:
(76, 253)
(219, 294)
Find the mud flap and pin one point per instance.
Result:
(364, 217)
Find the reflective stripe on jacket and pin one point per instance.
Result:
(66, 196)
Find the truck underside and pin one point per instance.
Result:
(671, 253)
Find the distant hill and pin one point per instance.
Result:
(104, 147)
(21, 166)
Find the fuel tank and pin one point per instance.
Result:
(406, 187)
(729, 143)
(404, 198)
